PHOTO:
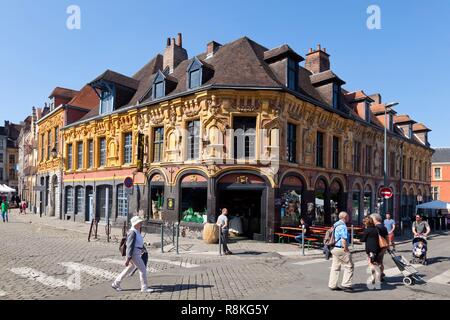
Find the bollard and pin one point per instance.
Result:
(220, 241)
(353, 242)
(303, 241)
(162, 238)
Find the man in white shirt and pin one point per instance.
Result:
(222, 222)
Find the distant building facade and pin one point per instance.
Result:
(440, 175)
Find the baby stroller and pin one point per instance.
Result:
(419, 252)
(410, 274)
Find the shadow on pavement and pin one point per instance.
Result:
(177, 287)
(434, 260)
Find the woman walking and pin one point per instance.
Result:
(135, 249)
(370, 237)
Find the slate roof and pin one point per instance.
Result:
(441, 155)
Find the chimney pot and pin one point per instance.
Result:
(168, 42)
(212, 47)
(318, 47)
(317, 61)
(173, 41)
(180, 40)
(310, 50)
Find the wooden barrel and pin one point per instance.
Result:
(211, 233)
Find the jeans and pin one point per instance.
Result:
(5, 216)
(224, 240)
(299, 238)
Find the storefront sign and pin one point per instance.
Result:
(171, 204)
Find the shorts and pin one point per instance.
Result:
(380, 256)
(391, 237)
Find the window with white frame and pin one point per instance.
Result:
(80, 200)
(102, 152)
(437, 173)
(80, 155)
(435, 193)
(69, 199)
(128, 148)
(90, 154)
(122, 201)
(69, 157)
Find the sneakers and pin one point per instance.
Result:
(147, 290)
(116, 286)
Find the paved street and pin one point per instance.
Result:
(37, 253)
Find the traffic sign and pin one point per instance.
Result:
(128, 182)
(386, 192)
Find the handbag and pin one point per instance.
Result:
(382, 241)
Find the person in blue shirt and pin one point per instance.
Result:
(389, 224)
(341, 256)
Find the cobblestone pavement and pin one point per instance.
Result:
(36, 255)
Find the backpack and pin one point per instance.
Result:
(329, 239)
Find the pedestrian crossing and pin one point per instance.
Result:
(443, 278)
(72, 280)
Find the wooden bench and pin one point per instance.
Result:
(281, 236)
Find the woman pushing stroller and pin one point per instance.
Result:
(421, 229)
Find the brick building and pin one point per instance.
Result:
(244, 127)
(440, 175)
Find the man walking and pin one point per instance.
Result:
(5, 209)
(389, 224)
(341, 256)
(222, 222)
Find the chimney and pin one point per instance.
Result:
(174, 53)
(317, 61)
(211, 49)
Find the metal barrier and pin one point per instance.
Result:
(93, 229)
(352, 237)
(303, 241)
(220, 241)
(167, 233)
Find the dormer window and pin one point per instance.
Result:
(162, 85)
(367, 112)
(198, 72)
(159, 90)
(292, 74)
(391, 122)
(410, 132)
(336, 91)
(107, 100)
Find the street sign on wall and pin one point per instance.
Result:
(386, 192)
(128, 182)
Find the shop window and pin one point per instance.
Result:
(80, 200)
(69, 200)
(122, 201)
(157, 198)
(291, 200)
(356, 200)
(193, 204)
(319, 202)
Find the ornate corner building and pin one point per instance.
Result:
(238, 126)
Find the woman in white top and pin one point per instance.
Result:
(135, 248)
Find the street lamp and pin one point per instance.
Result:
(386, 123)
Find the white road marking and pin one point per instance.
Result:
(394, 271)
(3, 293)
(175, 263)
(302, 263)
(121, 262)
(33, 274)
(443, 278)
(93, 271)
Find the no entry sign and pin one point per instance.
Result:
(386, 192)
(128, 182)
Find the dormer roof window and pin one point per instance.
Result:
(367, 111)
(336, 94)
(162, 85)
(292, 72)
(107, 99)
(198, 72)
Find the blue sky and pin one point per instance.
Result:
(408, 60)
